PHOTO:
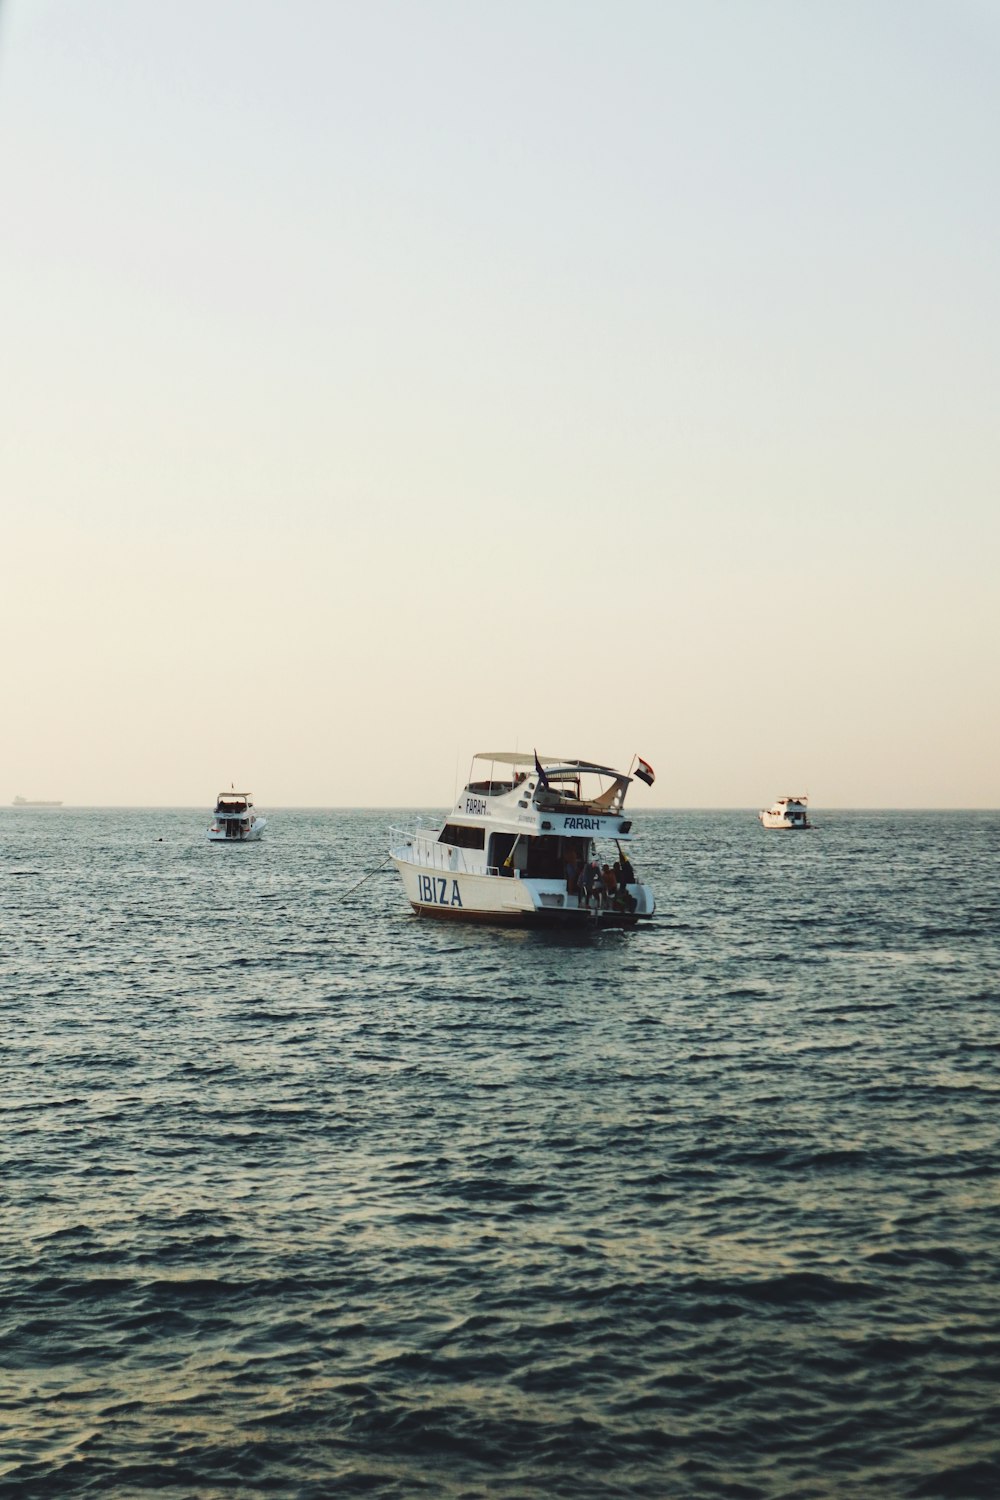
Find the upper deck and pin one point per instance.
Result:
(543, 796)
(233, 802)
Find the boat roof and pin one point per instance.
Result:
(558, 762)
(231, 796)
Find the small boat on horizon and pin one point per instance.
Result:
(521, 846)
(787, 812)
(234, 820)
(30, 802)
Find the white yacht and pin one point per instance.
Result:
(234, 820)
(787, 812)
(521, 844)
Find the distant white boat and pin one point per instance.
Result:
(28, 802)
(787, 812)
(234, 820)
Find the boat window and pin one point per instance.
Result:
(501, 845)
(545, 858)
(463, 838)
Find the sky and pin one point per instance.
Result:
(382, 382)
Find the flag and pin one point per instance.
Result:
(543, 780)
(644, 771)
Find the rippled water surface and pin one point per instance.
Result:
(303, 1196)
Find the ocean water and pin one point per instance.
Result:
(304, 1196)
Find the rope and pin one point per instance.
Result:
(354, 887)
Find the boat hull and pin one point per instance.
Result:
(458, 895)
(250, 836)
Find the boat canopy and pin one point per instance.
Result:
(547, 762)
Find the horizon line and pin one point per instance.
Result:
(434, 807)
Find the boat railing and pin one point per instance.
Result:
(434, 855)
(450, 859)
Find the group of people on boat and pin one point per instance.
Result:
(603, 886)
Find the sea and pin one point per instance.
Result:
(302, 1195)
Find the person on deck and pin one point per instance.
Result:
(626, 877)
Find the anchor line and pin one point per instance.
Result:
(354, 887)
